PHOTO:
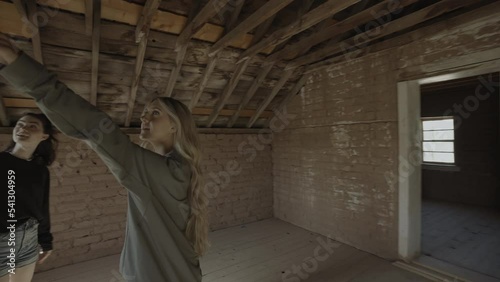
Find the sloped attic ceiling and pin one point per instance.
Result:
(233, 62)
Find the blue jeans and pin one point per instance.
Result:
(24, 251)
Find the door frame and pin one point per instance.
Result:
(410, 136)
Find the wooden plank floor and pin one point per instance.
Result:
(269, 250)
(463, 235)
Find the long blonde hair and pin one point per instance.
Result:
(187, 144)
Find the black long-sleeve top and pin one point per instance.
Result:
(30, 184)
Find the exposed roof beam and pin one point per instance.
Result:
(4, 119)
(88, 17)
(415, 18)
(298, 85)
(31, 104)
(284, 78)
(212, 61)
(304, 8)
(209, 10)
(268, 10)
(412, 36)
(144, 23)
(228, 90)
(315, 16)
(235, 13)
(96, 36)
(174, 74)
(135, 130)
(332, 28)
(250, 93)
(126, 12)
(28, 11)
(141, 34)
(181, 45)
(260, 32)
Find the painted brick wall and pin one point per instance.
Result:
(330, 164)
(88, 206)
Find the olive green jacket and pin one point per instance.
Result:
(155, 249)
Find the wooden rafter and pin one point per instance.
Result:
(141, 33)
(234, 14)
(333, 29)
(209, 10)
(241, 68)
(4, 119)
(31, 104)
(298, 85)
(212, 61)
(88, 17)
(255, 19)
(409, 37)
(315, 16)
(96, 37)
(144, 23)
(235, 78)
(251, 92)
(181, 45)
(345, 46)
(126, 12)
(304, 8)
(28, 11)
(261, 31)
(284, 78)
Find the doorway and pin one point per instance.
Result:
(411, 152)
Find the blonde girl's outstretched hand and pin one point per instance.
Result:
(8, 52)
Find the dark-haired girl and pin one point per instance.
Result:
(25, 219)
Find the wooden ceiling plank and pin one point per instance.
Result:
(88, 17)
(415, 18)
(141, 33)
(228, 90)
(212, 61)
(19, 102)
(250, 93)
(144, 24)
(252, 21)
(313, 17)
(284, 78)
(333, 28)
(96, 37)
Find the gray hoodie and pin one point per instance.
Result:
(155, 249)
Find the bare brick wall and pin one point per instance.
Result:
(88, 206)
(331, 162)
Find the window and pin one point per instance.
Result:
(438, 140)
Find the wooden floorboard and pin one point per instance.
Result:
(260, 252)
(464, 235)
